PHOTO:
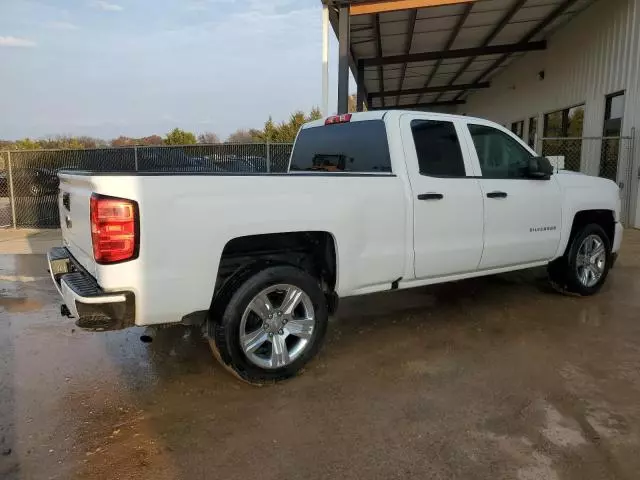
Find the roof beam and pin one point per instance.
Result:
(413, 15)
(461, 53)
(449, 44)
(559, 10)
(425, 105)
(380, 6)
(492, 35)
(438, 89)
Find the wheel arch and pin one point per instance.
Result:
(315, 252)
(603, 217)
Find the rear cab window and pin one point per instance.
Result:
(353, 147)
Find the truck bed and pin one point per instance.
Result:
(187, 219)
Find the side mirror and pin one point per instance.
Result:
(539, 168)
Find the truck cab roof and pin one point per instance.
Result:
(382, 114)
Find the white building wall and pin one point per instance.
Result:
(596, 54)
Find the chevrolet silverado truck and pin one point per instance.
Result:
(371, 202)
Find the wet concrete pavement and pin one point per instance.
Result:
(485, 379)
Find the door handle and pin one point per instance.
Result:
(497, 195)
(430, 196)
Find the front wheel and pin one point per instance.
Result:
(274, 323)
(585, 266)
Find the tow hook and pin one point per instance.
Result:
(64, 311)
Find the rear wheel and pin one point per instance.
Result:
(585, 266)
(274, 323)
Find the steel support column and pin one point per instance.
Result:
(343, 60)
(360, 97)
(325, 60)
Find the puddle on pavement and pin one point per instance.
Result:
(23, 265)
(19, 305)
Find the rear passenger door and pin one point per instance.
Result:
(447, 199)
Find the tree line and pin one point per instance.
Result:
(272, 132)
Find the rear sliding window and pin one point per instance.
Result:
(358, 147)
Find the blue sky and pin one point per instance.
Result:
(139, 67)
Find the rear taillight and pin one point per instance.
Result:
(114, 229)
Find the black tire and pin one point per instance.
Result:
(225, 331)
(563, 272)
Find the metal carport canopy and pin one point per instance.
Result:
(432, 53)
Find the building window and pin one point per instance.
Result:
(564, 123)
(610, 154)
(533, 130)
(614, 111)
(518, 128)
(563, 136)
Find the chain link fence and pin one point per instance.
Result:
(29, 182)
(606, 157)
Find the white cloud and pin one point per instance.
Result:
(62, 26)
(16, 42)
(106, 6)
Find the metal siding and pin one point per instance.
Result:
(595, 54)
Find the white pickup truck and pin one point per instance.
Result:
(372, 202)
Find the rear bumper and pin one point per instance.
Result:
(92, 307)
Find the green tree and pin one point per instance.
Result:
(285, 132)
(68, 142)
(27, 144)
(180, 137)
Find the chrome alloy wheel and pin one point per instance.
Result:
(591, 260)
(276, 326)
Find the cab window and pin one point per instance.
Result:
(500, 155)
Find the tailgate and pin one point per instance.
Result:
(75, 222)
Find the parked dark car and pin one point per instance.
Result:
(238, 163)
(173, 160)
(29, 182)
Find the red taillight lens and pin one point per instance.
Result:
(114, 229)
(346, 118)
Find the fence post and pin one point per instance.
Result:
(632, 178)
(268, 157)
(135, 156)
(12, 197)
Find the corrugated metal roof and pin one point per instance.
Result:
(461, 26)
